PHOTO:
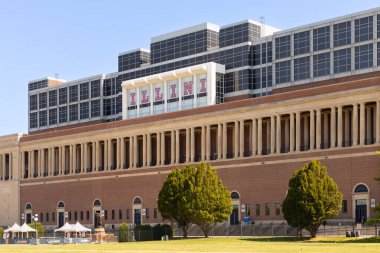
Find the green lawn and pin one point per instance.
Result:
(256, 244)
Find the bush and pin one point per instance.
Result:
(1, 232)
(40, 228)
(124, 233)
(161, 230)
(143, 233)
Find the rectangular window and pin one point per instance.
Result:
(62, 96)
(267, 209)
(257, 209)
(282, 72)
(282, 47)
(378, 53)
(47, 217)
(256, 78)
(256, 56)
(95, 108)
(127, 214)
(73, 112)
(342, 60)
(41, 217)
(342, 34)
(76, 215)
(112, 214)
(321, 64)
(43, 118)
(33, 102)
(120, 214)
(88, 215)
(53, 216)
(155, 212)
(84, 110)
(33, 120)
(53, 116)
(95, 89)
(105, 215)
(321, 38)
(42, 97)
(344, 206)
(69, 216)
(364, 29)
(73, 93)
(147, 213)
(62, 114)
(364, 56)
(378, 26)
(81, 215)
(301, 42)
(302, 68)
(278, 208)
(53, 98)
(248, 209)
(84, 91)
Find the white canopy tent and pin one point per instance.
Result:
(26, 229)
(73, 228)
(14, 229)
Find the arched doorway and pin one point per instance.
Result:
(235, 215)
(28, 213)
(61, 214)
(97, 212)
(360, 202)
(137, 207)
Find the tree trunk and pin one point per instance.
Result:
(184, 231)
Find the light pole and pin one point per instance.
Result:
(35, 225)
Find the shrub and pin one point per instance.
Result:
(1, 232)
(40, 228)
(143, 232)
(161, 230)
(124, 233)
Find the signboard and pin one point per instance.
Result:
(242, 208)
(22, 216)
(102, 213)
(143, 212)
(66, 215)
(246, 219)
(373, 203)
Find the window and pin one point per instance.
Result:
(267, 209)
(342, 60)
(42, 97)
(53, 98)
(62, 114)
(364, 56)
(84, 110)
(33, 102)
(301, 43)
(120, 214)
(62, 96)
(321, 64)
(248, 209)
(282, 72)
(84, 91)
(342, 34)
(256, 54)
(364, 29)
(105, 215)
(147, 213)
(344, 206)
(378, 26)
(41, 217)
(76, 215)
(53, 216)
(95, 108)
(155, 212)
(33, 120)
(95, 89)
(81, 215)
(47, 217)
(112, 214)
(278, 209)
(73, 112)
(235, 195)
(69, 214)
(53, 116)
(257, 209)
(127, 214)
(361, 188)
(73, 93)
(282, 47)
(301, 68)
(321, 38)
(87, 215)
(43, 118)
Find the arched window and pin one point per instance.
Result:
(137, 201)
(235, 195)
(361, 188)
(61, 204)
(97, 202)
(28, 206)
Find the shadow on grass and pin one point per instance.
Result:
(375, 239)
(277, 239)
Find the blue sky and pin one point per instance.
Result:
(80, 38)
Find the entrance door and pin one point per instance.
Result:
(61, 219)
(234, 218)
(137, 216)
(28, 218)
(96, 219)
(361, 211)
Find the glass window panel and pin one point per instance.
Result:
(364, 56)
(364, 29)
(342, 60)
(301, 42)
(321, 64)
(321, 38)
(342, 34)
(302, 68)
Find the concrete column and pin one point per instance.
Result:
(224, 140)
(278, 134)
(377, 122)
(177, 146)
(144, 148)
(131, 153)
(187, 145)
(291, 132)
(203, 151)
(241, 139)
(192, 144)
(236, 139)
(298, 131)
(135, 151)
(149, 149)
(272, 134)
(312, 130)
(158, 149)
(162, 148)
(319, 127)
(362, 123)
(340, 126)
(333, 127)
(219, 141)
(122, 153)
(172, 149)
(208, 142)
(254, 136)
(259, 136)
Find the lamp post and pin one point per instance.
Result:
(35, 225)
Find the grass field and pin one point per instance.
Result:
(257, 244)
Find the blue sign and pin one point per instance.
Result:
(246, 219)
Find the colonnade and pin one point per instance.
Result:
(6, 172)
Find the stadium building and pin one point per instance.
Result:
(253, 101)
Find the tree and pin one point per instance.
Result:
(40, 228)
(194, 195)
(312, 198)
(213, 201)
